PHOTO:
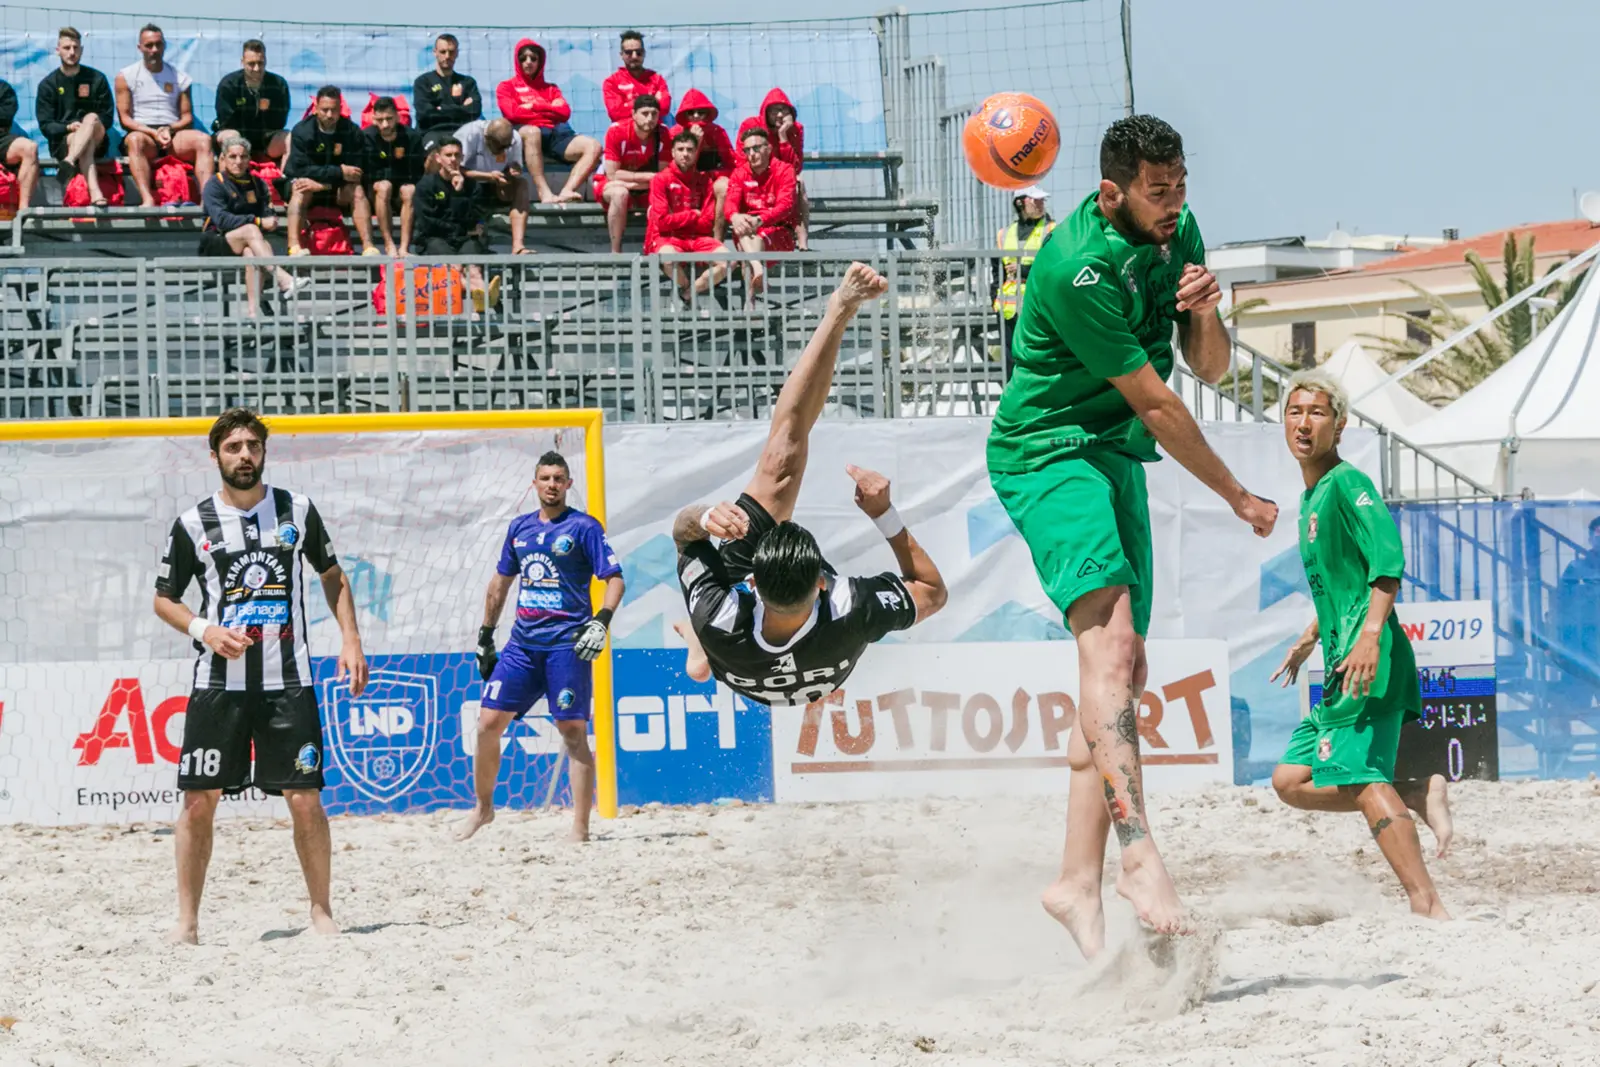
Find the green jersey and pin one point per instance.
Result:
(1348, 540)
(1097, 306)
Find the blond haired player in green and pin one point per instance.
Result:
(1084, 409)
(1342, 755)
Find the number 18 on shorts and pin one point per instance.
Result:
(283, 727)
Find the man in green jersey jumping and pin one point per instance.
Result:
(1341, 757)
(1085, 407)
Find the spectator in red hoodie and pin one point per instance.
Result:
(788, 139)
(635, 151)
(682, 208)
(632, 80)
(540, 113)
(761, 207)
(697, 115)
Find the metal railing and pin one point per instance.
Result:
(107, 338)
(1252, 391)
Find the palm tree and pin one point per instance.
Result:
(1484, 352)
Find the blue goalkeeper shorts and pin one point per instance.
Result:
(523, 675)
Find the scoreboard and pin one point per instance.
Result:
(1457, 735)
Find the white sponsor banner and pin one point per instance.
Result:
(1443, 633)
(98, 743)
(977, 719)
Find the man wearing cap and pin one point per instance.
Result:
(1027, 235)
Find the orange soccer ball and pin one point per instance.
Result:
(1011, 141)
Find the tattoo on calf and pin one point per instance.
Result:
(1127, 823)
(1384, 823)
(1127, 724)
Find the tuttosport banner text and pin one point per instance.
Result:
(100, 743)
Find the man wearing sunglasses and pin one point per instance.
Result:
(633, 79)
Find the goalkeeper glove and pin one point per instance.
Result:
(487, 656)
(592, 638)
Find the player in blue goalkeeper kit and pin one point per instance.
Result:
(551, 555)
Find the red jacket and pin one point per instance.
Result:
(630, 153)
(770, 195)
(717, 156)
(681, 205)
(792, 152)
(531, 101)
(622, 86)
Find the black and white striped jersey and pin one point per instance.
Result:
(726, 614)
(251, 570)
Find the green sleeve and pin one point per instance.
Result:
(1191, 248)
(1082, 300)
(1372, 527)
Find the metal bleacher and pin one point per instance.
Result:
(126, 337)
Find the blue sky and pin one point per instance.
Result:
(1393, 117)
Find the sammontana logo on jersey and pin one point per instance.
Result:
(541, 584)
(255, 591)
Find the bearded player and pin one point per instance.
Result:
(1342, 756)
(1082, 413)
(253, 718)
(551, 555)
(767, 615)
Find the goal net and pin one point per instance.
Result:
(94, 688)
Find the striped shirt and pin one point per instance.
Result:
(251, 569)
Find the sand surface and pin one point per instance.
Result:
(894, 933)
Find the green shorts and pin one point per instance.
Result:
(1357, 754)
(1087, 522)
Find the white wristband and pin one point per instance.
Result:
(889, 523)
(705, 519)
(197, 628)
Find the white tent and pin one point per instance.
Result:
(1534, 424)
(1393, 406)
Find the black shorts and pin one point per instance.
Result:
(213, 243)
(58, 147)
(5, 143)
(395, 202)
(470, 245)
(284, 725)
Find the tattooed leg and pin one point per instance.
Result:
(1110, 654)
(1396, 834)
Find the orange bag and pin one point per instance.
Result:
(432, 290)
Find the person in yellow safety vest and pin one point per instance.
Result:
(1027, 235)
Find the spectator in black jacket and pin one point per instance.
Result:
(17, 152)
(325, 169)
(238, 218)
(441, 99)
(450, 217)
(73, 108)
(394, 160)
(253, 103)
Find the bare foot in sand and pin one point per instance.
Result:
(477, 820)
(695, 665)
(1436, 813)
(578, 835)
(1079, 909)
(185, 934)
(322, 922)
(1145, 883)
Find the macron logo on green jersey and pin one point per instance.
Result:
(1086, 276)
